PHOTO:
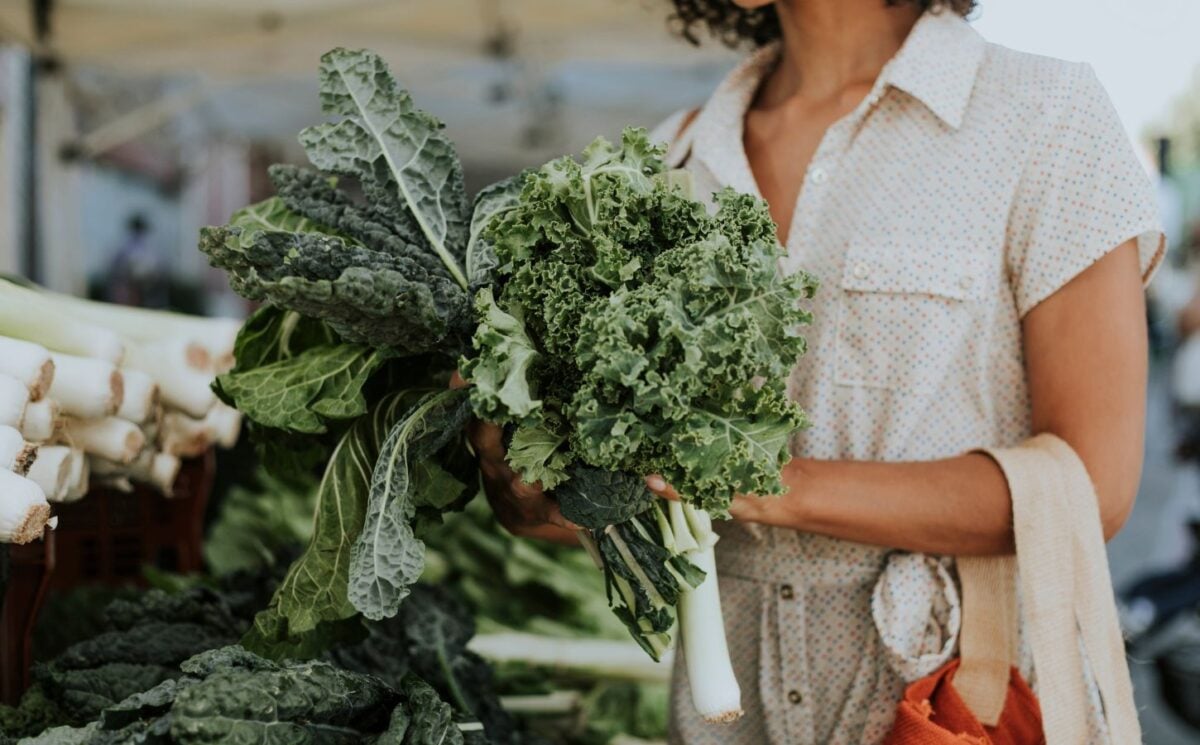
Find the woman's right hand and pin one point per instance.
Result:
(524, 509)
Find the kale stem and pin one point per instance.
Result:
(451, 682)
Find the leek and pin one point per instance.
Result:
(29, 363)
(41, 421)
(24, 511)
(111, 438)
(31, 316)
(14, 398)
(86, 388)
(16, 455)
(52, 470)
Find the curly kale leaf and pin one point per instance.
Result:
(501, 388)
(595, 498)
(634, 331)
(387, 557)
(536, 452)
(395, 150)
(490, 202)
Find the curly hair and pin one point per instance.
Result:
(735, 26)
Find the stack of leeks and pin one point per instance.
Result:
(92, 393)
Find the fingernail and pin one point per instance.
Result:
(656, 483)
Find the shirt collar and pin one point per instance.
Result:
(938, 64)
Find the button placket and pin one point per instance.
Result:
(793, 670)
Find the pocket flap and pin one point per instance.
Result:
(908, 268)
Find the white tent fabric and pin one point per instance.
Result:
(255, 38)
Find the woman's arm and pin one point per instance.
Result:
(1086, 360)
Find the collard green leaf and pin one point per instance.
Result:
(301, 393)
(595, 498)
(311, 604)
(387, 143)
(388, 557)
(272, 334)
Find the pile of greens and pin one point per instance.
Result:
(599, 311)
(162, 669)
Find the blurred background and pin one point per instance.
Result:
(125, 125)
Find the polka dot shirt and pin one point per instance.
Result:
(971, 184)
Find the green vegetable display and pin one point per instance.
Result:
(163, 665)
(601, 313)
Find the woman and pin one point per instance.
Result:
(982, 230)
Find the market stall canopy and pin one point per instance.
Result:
(515, 80)
(254, 38)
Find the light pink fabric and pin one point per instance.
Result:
(970, 185)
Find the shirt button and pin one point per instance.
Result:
(794, 696)
(818, 175)
(786, 592)
(861, 270)
(965, 282)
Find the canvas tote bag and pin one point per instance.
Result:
(1068, 605)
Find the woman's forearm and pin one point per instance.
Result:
(954, 506)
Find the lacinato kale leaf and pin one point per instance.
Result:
(387, 557)
(307, 608)
(595, 498)
(396, 151)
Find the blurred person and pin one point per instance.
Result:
(983, 230)
(137, 274)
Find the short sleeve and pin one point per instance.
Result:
(1083, 192)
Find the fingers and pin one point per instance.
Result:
(457, 381)
(554, 516)
(659, 486)
(487, 439)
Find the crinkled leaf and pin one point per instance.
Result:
(499, 373)
(595, 498)
(311, 603)
(295, 702)
(539, 456)
(490, 202)
(386, 142)
(272, 334)
(302, 392)
(388, 557)
(366, 296)
(431, 720)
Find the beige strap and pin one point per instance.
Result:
(987, 643)
(1067, 595)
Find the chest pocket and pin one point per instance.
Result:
(907, 314)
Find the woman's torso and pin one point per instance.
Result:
(908, 216)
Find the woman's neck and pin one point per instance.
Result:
(830, 46)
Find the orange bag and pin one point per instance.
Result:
(932, 713)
